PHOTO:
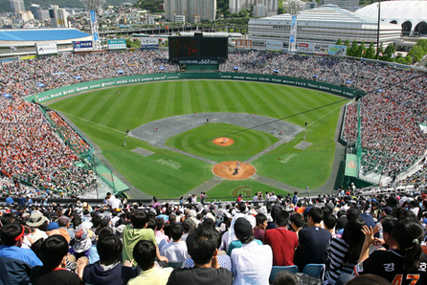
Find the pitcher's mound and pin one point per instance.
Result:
(223, 141)
(226, 170)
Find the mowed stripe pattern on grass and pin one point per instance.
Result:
(199, 141)
(136, 105)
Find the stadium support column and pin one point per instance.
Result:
(378, 29)
(293, 7)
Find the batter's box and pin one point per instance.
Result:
(303, 145)
(142, 151)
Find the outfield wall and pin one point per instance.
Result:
(298, 82)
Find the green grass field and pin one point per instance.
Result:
(104, 116)
(198, 141)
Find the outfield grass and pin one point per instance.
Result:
(198, 141)
(104, 116)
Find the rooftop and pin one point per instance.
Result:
(41, 34)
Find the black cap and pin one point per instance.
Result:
(243, 229)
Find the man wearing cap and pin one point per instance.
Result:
(15, 262)
(252, 262)
(64, 223)
(188, 225)
(38, 223)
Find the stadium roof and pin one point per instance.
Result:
(399, 11)
(326, 13)
(36, 35)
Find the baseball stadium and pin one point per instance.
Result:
(141, 124)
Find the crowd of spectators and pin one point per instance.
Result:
(32, 151)
(219, 243)
(391, 111)
(23, 78)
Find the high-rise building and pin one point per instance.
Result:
(37, 11)
(204, 10)
(58, 17)
(235, 6)
(17, 6)
(260, 11)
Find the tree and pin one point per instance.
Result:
(380, 50)
(347, 44)
(417, 53)
(389, 53)
(352, 51)
(361, 49)
(339, 42)
(370, 51)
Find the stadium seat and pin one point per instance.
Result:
(313, 270)
(175, 264)
(276, 269)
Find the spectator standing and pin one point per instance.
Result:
(136, 232)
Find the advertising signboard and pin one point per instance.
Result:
(337, 50)
(274, 45)
(116, 44)
(46, 48)
(94, 25)
(82, 46)
(151, 43)
(242, 43)
(305, 47)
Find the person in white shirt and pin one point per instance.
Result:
(176, 250)
(252, 262)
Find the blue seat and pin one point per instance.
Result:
(276, 269)
(175, 264)
(313, 270)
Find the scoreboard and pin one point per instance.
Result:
(198, 47)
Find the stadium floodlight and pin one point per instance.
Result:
(293, 7)
(93, 6)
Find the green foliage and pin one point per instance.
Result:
(381, 49)
(370, 51)
(339, 42)
(133, 44)
(417, 53)
(150, 5)
(389, 52)
(361, 49)
(280, 10)
(353, 50)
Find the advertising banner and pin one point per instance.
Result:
(151, 43)
(82, 46)
(198, 61)
(274, 45)
(116, 44)
(293, 30)
(351, 165)
(242, 43)
(94, 25)
(46, 48)
(305, 47)
(337, 50)
(109, 82)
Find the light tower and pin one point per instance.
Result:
(293, 7)
(93, 6)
